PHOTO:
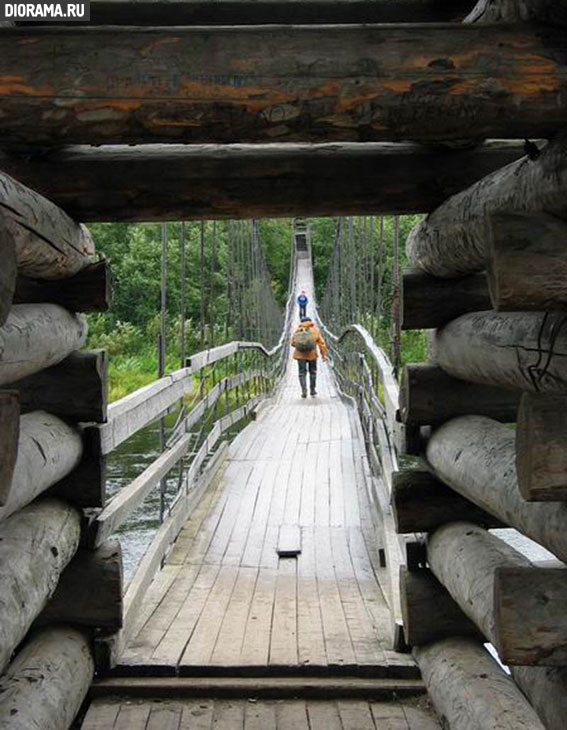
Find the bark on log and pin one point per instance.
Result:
(529, 615)
(469, 689)
(7, 270)
(177, 182)
(87, 291)
(464, 558)
(546, 689)
(520, 350)
(476, 456)
(451, 241)
(37, 544)
(421, 503)
(541, 456)
(76, 388)
(553, 12)
(49, 244)
(429, 612)
(47, 682)
(429, 395)
(48, 450)
(527, 262)
(353, 83)
(37, 336)
(10, 431)
(240, 12)
(89, 592)
(428, 301)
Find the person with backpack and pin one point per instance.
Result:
(302, 300)
(306, 339)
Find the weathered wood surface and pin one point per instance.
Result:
(87, 291)
(10, 430)
(422, 503)
(427, 83)
(76, 388)
(36, 336)
(476, 456)
(553, 12)
(429, 301)
(8, 270)
(176, 182)
(239, 12)
(37, 543)
(428, 395)
(520, 350)
(541, 437)
(47, 682)
(49, 244)
(48, 450)
(526, 262)
(546, 689)
(429, 612)
(470, 691)
(529, 615)
(452, 240)
(89, 592)
(85, 486)
(465, 558)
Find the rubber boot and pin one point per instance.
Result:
(312, 383)
(303, 383)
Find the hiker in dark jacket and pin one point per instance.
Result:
(306, 339)
(302, 300)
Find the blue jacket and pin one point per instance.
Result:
(302, 301)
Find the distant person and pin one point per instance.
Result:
(306, 339)
(303, 301)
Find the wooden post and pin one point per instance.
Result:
(546, 689)
(87, 291)
(421, 503)
(452, 240)
(428, 395)
(37, 543)
(527, 262)
(48, 680)
(7, 270)
(48, 449)
(429, 612)
(48, 243)
(473, 454)
(311, 84)
(182, 182)
(470, 691)
(10, 430)
(76, 388)
(541, 437)
(36, 336)
(89, 592)
(520, 350)
(429, 301)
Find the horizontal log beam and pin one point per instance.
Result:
(89, 592)
(177, 182)
(307, 83)
(85, 486)
(546, 689)
(428, 395)
(473, 454)
(541, 436)
(422, 503)
(7, 271)
(452, 240)
(48, 450)
(518, 350)
(470, 691)
(37, 543)
(48, 243)
(76, 388)
(47, 682)
(87, 291)
(37, 336)
(553, 12)
(240, 12)
(429, 301)
(10, 430)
